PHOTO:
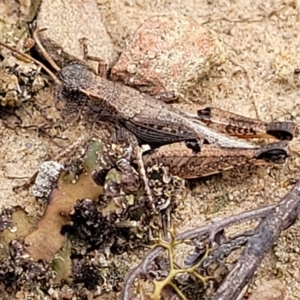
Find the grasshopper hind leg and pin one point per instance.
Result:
(142, 171)
(281, 130)
(275, 152)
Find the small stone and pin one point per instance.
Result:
(151, 54)
(131, 68)
(13, 229)
(269, 290)
(24, 10)
(284, 64)
(48, 174)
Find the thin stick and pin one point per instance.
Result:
(43, 50)
(266, 233)
(210, 229)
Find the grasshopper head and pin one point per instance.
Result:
(68, 96)
(76, 75)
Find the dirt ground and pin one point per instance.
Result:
(262, 42)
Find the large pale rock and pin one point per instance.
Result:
(168, 53)
(67, 23)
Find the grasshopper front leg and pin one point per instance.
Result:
(123, 134)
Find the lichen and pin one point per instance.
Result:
(46, 240)
(99, 203)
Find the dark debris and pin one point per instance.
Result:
(5, 219)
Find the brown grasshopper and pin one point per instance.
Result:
(80, 93)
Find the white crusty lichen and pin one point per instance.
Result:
(48, 174)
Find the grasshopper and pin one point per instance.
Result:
(80, 93)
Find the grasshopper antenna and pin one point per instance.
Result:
(47, 70)
(43, 50)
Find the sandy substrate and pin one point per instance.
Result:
(262, 43)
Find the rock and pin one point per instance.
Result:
(22, 10)
(48, 175)
(67, 23)
(168, 53)
(269, 290)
